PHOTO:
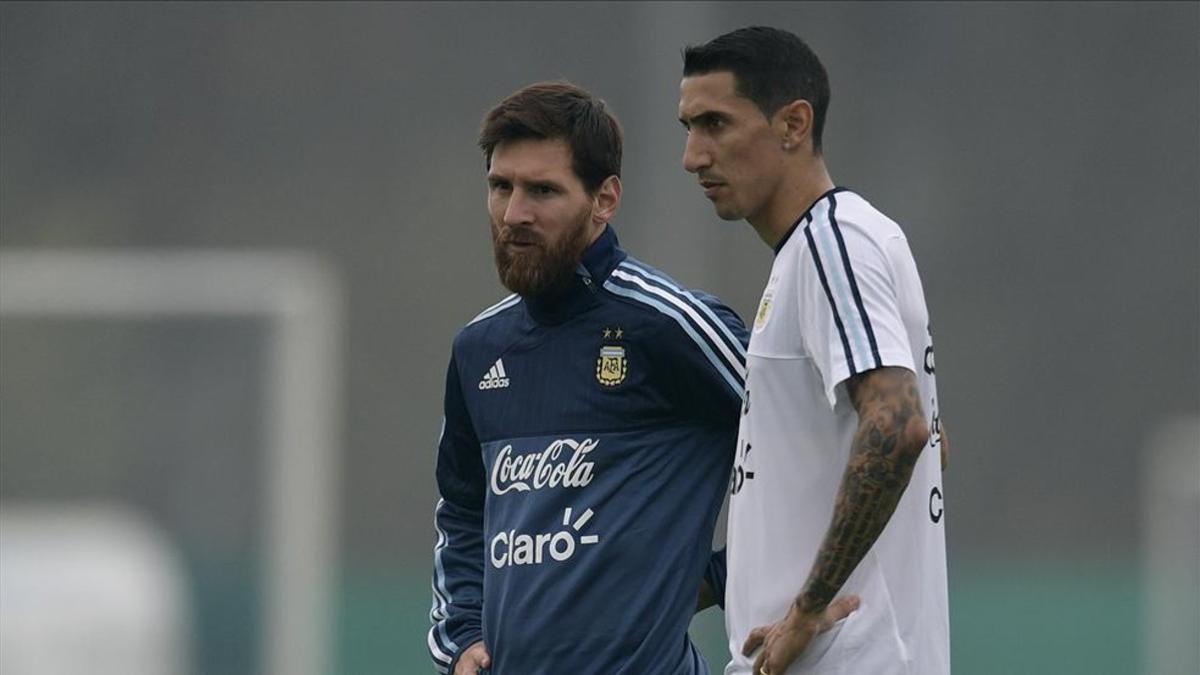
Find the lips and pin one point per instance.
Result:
(710, 185)
(521, 242)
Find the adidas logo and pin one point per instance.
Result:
(496, 378)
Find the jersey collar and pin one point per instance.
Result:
(788, 235)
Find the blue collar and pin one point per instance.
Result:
(601, 257)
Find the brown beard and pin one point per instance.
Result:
(541, 269)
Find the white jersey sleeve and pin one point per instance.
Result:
(849, 308)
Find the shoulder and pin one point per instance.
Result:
(652, 292)
(843, 226)
(490, 324)
(694, 327)
(849, 213)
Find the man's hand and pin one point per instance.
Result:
(473, 659)
(784, 641)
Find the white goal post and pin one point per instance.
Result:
(1171, 549)
(300, 297)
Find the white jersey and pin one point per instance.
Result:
(843, 298)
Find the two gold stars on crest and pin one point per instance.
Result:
(610, 334)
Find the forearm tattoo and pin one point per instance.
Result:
(880, 465)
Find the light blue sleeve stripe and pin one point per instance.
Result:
(648, 300)
(441, 629)
(496, 308)
(440, 594)
(439, 655)
(441, 647)
(835, 271)
(632, 281)
(633, 266)
(441, 597)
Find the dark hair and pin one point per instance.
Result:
(771, 67)
(559, 110)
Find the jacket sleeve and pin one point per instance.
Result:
(714, 575)
(458, 556)
(707, 365)
(707, 360)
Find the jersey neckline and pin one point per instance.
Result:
(825, 195)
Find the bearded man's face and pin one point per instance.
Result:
(540, 213)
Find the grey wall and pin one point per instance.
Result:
(1043, 159)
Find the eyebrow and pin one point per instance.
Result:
(526, 182)
(706, 116)
(545, 182)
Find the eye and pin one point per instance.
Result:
(543, 190)
(497, 185)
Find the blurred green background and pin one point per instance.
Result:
(1015, 616)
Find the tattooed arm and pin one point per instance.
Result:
(891, 434)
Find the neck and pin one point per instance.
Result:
(796, 194)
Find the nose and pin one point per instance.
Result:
(517, 211)
(696, 157)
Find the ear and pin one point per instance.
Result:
(606, 201)
(795, 124)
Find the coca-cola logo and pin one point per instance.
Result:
(549, 468)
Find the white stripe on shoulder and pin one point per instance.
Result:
(837, 275)
(496, 308)
(736, 363)
(735, 382)
(637, 268)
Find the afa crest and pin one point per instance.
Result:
(764, 307)
(611, 367)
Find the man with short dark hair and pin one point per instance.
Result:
(832, 492)
(589, 424)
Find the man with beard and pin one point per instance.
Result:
(589, 425)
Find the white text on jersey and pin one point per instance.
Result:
(536, 470)
(495, 378)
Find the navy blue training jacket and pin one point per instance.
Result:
(586, 446)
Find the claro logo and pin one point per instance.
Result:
(512, 548)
